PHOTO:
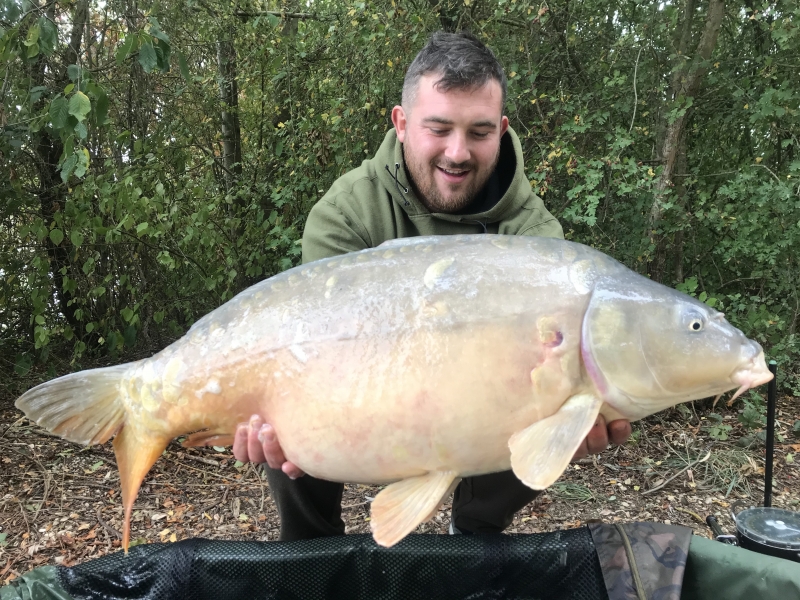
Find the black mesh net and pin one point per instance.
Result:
(548, 566)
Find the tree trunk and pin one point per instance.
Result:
(52, 192)
(229, 99)
(685, 84)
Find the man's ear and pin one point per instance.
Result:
(503, 125)
(400, 122)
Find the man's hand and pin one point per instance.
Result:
(256, 442)
(616, 432)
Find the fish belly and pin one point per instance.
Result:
(382, 410)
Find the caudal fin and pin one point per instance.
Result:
(82, 407)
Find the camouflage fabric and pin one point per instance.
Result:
(642, 561)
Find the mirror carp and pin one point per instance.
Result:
(414, 364)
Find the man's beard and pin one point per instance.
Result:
(424, 184)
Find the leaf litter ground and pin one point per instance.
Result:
(60, 503)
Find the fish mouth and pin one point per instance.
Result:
(752, 374)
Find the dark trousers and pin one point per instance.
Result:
(310, 508)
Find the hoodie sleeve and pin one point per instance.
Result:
(330, 232)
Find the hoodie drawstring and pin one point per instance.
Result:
(400, 188)
(481, 223)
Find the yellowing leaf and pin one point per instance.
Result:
(79, 105)
(389, 63)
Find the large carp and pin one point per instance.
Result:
(414, 364)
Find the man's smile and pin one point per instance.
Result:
(453, 175)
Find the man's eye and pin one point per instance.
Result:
(438, 131)
(481, 135)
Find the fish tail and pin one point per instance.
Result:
(136, 450)
(82, 407)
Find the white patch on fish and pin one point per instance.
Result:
(211, 387)
(580, 275)
(298, 353)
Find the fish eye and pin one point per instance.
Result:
(696, 324)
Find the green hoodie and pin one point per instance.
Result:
(366, 206)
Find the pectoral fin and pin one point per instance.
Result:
(541, 452)
(400, 507)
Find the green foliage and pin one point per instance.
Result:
(121, 221)
(718, 430)
(753, 415)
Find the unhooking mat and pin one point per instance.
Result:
(632, 561)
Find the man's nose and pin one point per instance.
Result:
(457, 150)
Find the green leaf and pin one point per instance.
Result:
(68, 167)
(23, 364)
(74, 72)
(79, 105)
(127, 314)
(96, 466)
(163, 51)
(158, 316)
(142, 227)
(128, 46)
(82, 132)
(101, 109)
(36, 92)
(129, 335)
(184, 67)
(83, 162)
(39, 320)
(59, 112)
(33, 37)
(155, 31)
(89, 327)
(76, 237)
(147, 57)
(69, 88)
(56, 236)
(48, 35)
(273, 20)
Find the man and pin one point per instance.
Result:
(450, 165)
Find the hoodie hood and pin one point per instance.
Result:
(506, 182)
